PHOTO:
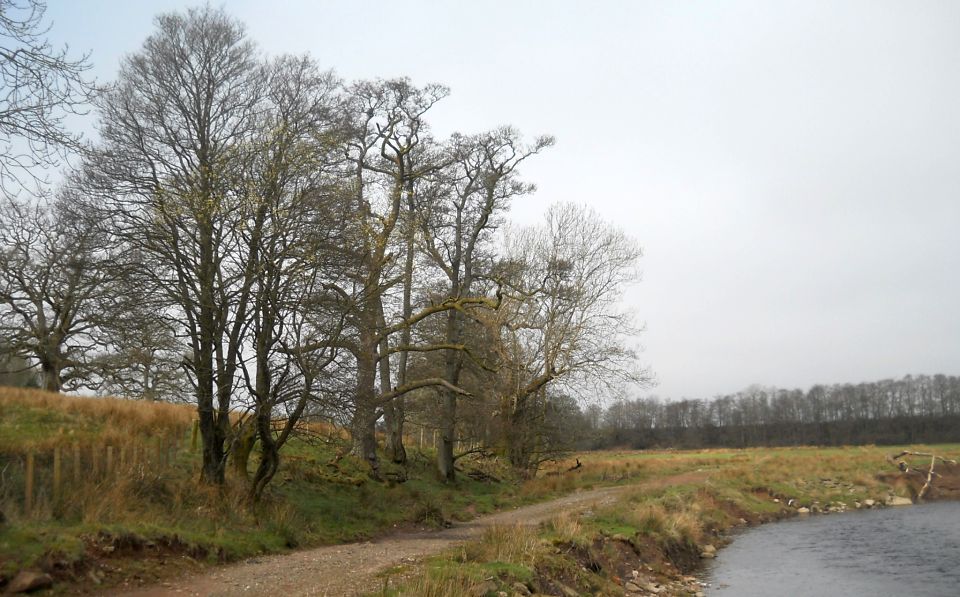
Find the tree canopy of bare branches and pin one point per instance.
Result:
(55, 282)
(258, 237)
(40, 85)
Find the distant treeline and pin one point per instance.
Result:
(915, 409)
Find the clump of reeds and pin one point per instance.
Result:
(566, 528)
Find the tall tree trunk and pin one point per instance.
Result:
(397, 449)
(263, 388)
(389, 408)
(517, 435)
(363, 430)
(246, 439)
(269, 455)
(51, 377)
(394, 411)
(363, 425)
(453, 363)
(448, 438)
(212, 434)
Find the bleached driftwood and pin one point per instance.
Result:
(897, 459)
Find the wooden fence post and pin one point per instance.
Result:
(109, 468)
(76, 463)
(94, 461)
(123, 458)
(194, 434)
(57, 479)
(28, 489)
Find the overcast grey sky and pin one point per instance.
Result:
(792, 169)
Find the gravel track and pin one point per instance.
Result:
(352, 568)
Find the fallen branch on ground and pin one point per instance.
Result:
(478, 450)
(901, 464)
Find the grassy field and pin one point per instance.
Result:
(128, 506)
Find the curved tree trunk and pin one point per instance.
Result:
(243, 447)
(269, 456)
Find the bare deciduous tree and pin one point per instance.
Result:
(175, 132)
(39, 86)
(388, 129)
(563, 326)
(457, 228)
(142, 356)
(55, 274)
(295, 234)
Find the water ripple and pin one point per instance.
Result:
(898, 551)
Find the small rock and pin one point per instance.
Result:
(899, 501)
(869, 503)
(520, 588)
(487, 586)
(802, 510)
(632, 587)
(26, 581)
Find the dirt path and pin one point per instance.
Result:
(351, 569)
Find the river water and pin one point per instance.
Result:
(901, 551)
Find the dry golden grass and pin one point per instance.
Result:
(565, 527)
(36, 419)
(117, 457)
(441, 584)
(512, 544)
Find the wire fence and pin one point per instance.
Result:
(42, 480)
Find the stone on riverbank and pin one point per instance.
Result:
(26, 581)
(896, 500)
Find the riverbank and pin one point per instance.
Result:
(654, 538)
(115, 503)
